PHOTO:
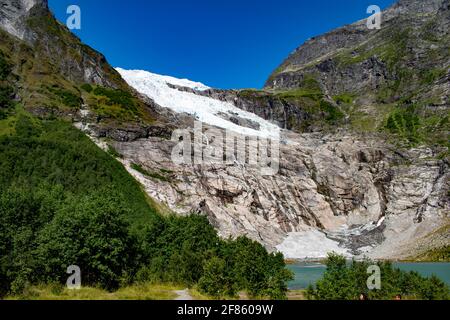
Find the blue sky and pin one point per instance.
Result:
(222, 43)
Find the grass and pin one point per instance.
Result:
(441, 254)
(344, 98)
(391, 52)
(8, 125)
(309, 99)
(296, 295)
(113, 152)
(313, 94)
(65, 96)
(153, 175)
(417, 125)
(43, 84)
(430, 76)
(144, 291)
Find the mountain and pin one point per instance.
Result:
(51, 66)
(407, 59)
(403, 65)
(364, 152)
(164, 91)
(65, 200)
(361, 117)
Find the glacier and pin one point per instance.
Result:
(204, 109)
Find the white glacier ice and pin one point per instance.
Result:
(205, 109)
(310, 244)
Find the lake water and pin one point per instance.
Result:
(309, 273)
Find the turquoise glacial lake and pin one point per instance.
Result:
(309, 273)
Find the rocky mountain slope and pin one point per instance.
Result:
(398, 72)
(405, 59)
(51, 67)
(339, 191)
(363, 157)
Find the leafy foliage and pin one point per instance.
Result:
(5, 100)
(344, 98)
(154, 175)
(66, 97)
(347, 280)
(6, 91)
(5, 67)
(333, 114)
(404, 123)
(119, 97)
(418, 125)
(63, 202)
(188, 250)
(104, 249)
(87, 87)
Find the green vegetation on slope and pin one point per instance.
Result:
(144, 291)
(346, 281)
(63, 202)
(439, 254)
(51, 81)
(115, 104)
(417, 125)
(153, 175)
(6, 90)
(307, 105)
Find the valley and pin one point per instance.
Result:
(154, 184)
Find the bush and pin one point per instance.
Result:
(63, 201)
(333, 114)
(91, 233)
(116, 96)
(67, 98)
(87, 87)
(5, 67)
(217, 280)
(405, 123)
(6, 93)
(347, 280)
(153, 175)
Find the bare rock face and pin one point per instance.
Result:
(13, 13)
(32, 22)
(336, 191)
(352, 194)
(413, 40)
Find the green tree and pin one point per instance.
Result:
(217, 279)
(347, 280)
(89, 232)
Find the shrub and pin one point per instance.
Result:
(217, 280)
(89, 232)
(333, 114)
(153, 175)
(116, 96)
(67, 97)
(5, 67)
(347, 280)
(6, 93)
(87, 87)
(64, 201)
(405, 123)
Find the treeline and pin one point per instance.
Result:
(63, 202)
(345, 280)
